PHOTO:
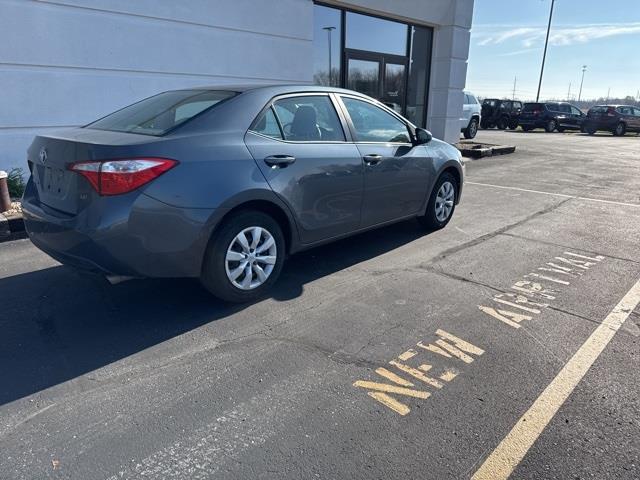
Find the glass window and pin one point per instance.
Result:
(564, 108)
(309, 118)
(373, 124)
(636, 111)
(327, 37)
(575, 111)
(375, 34)
(554, 107)
(266, 124)
(517, 105)
(364, 77)
(158, 114)
(419, 71)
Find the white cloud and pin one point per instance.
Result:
(560, 35)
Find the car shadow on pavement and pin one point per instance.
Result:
(58, 324)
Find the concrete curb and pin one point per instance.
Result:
(11, 227)
(478, 150)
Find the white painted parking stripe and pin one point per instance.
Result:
(510, 452)
(563, 195)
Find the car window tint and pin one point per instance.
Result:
(309, 118)
(624, 110)
(636, 111)
(575, 111)
(564, 108)
(159, 114)
(373, 124)
(266, 124)
(553, 107)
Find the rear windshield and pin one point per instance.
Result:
(158, 114)
(530, 107)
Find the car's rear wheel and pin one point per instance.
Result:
(620, 130)
(244, 257)
(442, 203)
(472, 129)
(513, 125)
(502, 123)
(551, 126)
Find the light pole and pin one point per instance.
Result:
(329, 30)
(544, 55)
(584, 69)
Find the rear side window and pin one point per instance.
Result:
(266, 124)
(553, 107)
(530, 107)
(564, 108)
(624, 110)
(309, 118)
(575, 110)
(373, 124)
(159, 114)
(517, 105)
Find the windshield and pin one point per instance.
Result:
(158, 114)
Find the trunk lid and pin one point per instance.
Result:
(49, 157)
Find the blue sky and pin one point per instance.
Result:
(507, 40)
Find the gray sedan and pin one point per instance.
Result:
(222, 183)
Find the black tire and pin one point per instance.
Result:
(590, 130)
(513, 125)
(620, 130)
(502, 123)
(526, 128)
(472, 129)
(550, 126)
(214, 274)
(430, 220)
(560, 129)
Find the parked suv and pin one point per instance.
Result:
(618, 119)
(470, 115)
(500, 113)
(551, 116)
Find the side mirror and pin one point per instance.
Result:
(423, 136)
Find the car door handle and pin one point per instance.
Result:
(279, 160)
(372, 159)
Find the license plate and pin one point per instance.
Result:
(53, 181)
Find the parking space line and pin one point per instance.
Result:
(563, 195)
(512, 449)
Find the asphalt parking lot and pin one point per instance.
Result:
(389, 355)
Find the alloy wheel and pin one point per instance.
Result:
(250, 258)
(444, 201)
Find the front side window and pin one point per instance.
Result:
(575, 111)
(309, 118)
(159, 114)
(517, 105)
(373, 124)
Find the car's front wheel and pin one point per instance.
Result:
(620, 130)
(244, 257)
(442, 203)
(551, 126)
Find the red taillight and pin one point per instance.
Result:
(114, 177)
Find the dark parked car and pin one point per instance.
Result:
(223, 183)
(551, 116)
(617, 119)
(500, 113)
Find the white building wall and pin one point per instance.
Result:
(68, 62)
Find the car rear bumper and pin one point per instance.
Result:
(130, 235)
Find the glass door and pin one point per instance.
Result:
(381, 76)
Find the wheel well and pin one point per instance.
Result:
(270, 209)
(454, 171)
